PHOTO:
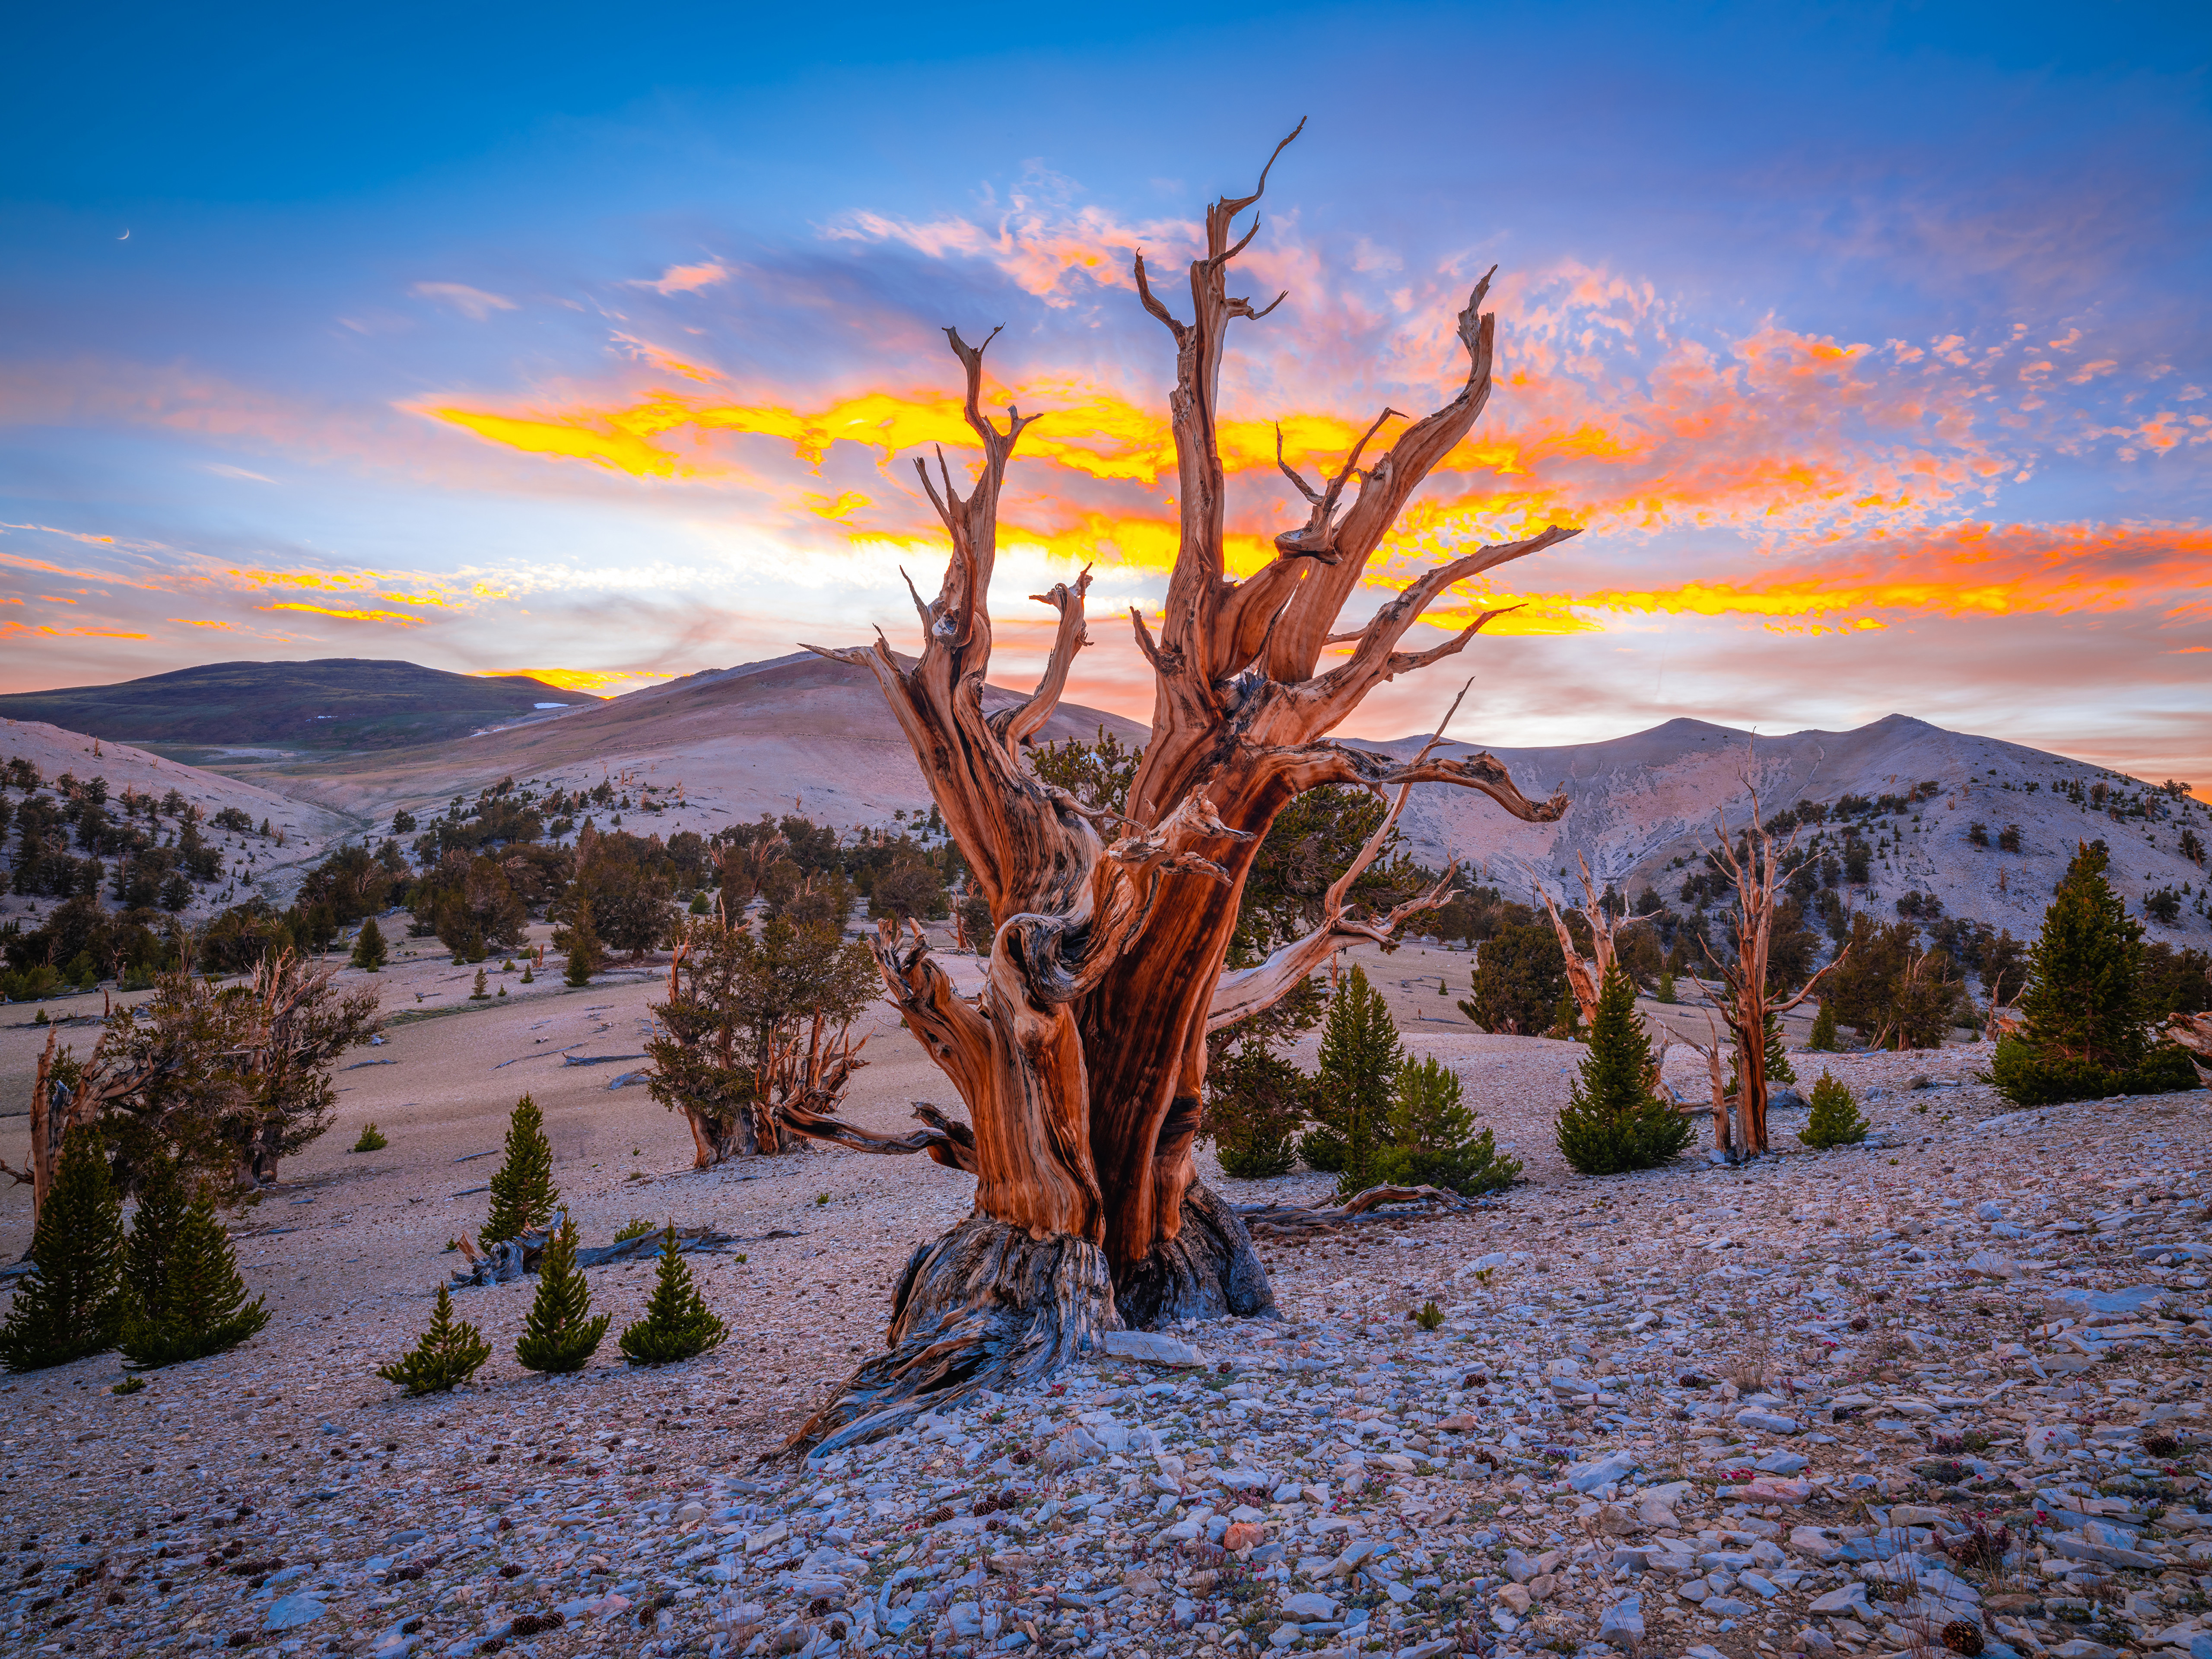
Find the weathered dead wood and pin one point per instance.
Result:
(514, 1258)
(1587, 978)
(2192, 1032)
(1759, 873)
(1294, 1219)
(1081, 1059)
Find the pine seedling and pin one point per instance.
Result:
(1835, 1120)
(372, 1139)
(585, 951)
(1665, 991)
(1434, 1139)
(478, 993)
(186, 1299)
(522, 1192)
(69, 1306)
(1613, 1121)
(1350, 1097)
(448, 1355)
(369, 953)
(677, 1323)
(562, 1333)
(1823, 1040)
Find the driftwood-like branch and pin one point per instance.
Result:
(1586, 979)
(1320, 763)
(1290, 1219)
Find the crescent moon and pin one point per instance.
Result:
(125, 237)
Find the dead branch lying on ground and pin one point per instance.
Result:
(1415, 1203)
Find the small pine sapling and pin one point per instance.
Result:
(1434, 1142)
(71, 1303)
(372, 1139)
(1255, 1108)
(449, 1354)
(369, 952)
(522, 1192)
(1350, 1101)
(582, 941)
(1835, 1120)
(1665, 991)
(478, 993)
(1823, 1040)
(185, 1298)
(528, 978)
(1613, 1121)
(562, 1331)
(677, 1323)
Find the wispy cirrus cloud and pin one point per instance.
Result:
(473, 303)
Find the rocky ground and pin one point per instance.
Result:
(1849, 1400)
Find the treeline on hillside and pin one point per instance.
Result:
(480, 872)
(122, 866)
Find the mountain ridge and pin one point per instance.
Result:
(321, 703)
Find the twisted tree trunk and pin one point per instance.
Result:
(1080, 1061)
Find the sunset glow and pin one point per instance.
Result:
(1861, 400)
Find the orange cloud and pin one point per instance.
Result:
(396, 617)
(688, 279)
(1966, 570)
(15, 630)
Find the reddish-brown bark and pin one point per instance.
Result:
(1080, 1061)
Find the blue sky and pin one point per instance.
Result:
(1867, 344)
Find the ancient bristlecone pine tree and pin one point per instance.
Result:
(1080, 1061)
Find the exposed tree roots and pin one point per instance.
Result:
(984, 1307)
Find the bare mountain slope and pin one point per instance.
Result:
(799, 733)
(1640, 801)
(310, 831)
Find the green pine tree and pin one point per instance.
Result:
(1350, 1104)
(1255, 1101)
(522, 1192)
(1823, 1040)
(476, 992)
(449, 1354)
(71, 1303)
(185, 1300)
(369, 953)
(1433, 1140)
(1613, 1120)
(1836, 1120)
(2085, 1027)
(562, 1333)
(582, 941)
(1666, 991)
(677, 1324)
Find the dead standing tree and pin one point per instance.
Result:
(1756, 867)
(1586, 979)
(1080, 1060)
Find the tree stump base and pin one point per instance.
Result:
(985, 1306)
(1209, 1270)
